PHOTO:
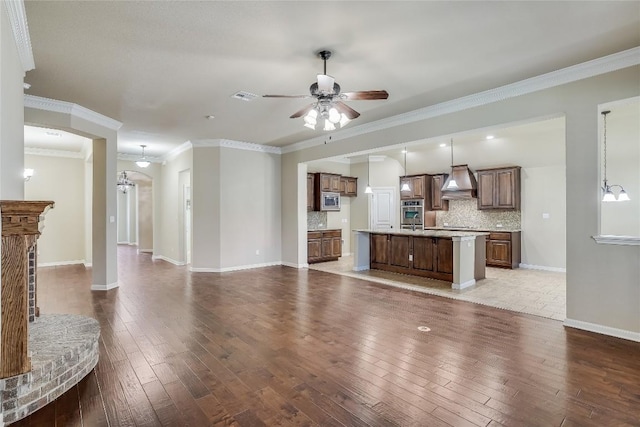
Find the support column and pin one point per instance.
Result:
(104, 207)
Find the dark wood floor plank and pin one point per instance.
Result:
(283, 346)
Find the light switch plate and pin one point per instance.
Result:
(546, 215)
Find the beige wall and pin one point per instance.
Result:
(61, 180)
(602, 280)
(145, 216)
(11, 114)
(249, 207)
(169, 237)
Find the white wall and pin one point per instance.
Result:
(623, 165)
(62, 180)
(145, 216)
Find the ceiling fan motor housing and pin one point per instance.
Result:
(317, 92)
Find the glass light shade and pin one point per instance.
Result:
(143, 163)
(623, 197)
(452, 184)
(334, 115)
(344, 121)
(328, 125)
(310, 120)
(310, 126)
(312, 114)
(368, 190)
(608, 197)
(405, 187)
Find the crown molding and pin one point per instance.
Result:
(236, 145)
(617, 240)
(20, 28)
(606, 64)
(176, 152)
(47, 104)
(136, 157)
(34, 151)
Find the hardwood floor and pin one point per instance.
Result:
(278, 346)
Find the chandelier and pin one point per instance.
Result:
(124, 183)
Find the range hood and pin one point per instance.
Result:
(467, 186)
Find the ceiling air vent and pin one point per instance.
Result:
(245, 96)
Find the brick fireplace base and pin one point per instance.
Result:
(64, 350)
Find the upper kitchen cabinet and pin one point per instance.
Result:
(437, 203)
(310, 192)
(417, 185)
(348, 186)
(328, 182)
(499, 188)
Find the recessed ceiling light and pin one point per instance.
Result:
(443, 144)
(490, 136)
(210, 117)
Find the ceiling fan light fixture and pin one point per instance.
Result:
(328, 125)
(344, 120)
(334, 115)
(310, 126)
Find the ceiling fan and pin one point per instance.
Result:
(328, 104)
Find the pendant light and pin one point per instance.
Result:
(608, 195)
(143, 162)
(368, 190)
(405, 185)
(452, 185)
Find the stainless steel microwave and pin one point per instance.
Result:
(330, 201)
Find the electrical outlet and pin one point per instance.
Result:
(410, 257)
(498, 225)
(546, 216)
(257, 251)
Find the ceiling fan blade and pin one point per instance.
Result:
(346, 110)
(325, 83)
(302, 112)
(286, 96)
(364, 95)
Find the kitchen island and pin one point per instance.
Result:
(454, 256)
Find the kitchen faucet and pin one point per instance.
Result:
(413, 223)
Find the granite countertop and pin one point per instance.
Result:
(428, 233)
(506, 230)
(323, 229)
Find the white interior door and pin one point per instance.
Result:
(382, 208)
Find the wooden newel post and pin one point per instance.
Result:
(20, 232)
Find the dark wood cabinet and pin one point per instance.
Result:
(328, 182)
(503, 249)
(421, 256)
(324, 245)
(310, 192)
(437, 204)
(348, 186)
(417, 185)
(499, 188)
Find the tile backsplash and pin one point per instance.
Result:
(316, 220)
(465, 213)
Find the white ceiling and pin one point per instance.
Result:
(53, 139)
(161, 67)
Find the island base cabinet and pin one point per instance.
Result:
(419, 256)
(503, 250)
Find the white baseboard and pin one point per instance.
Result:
(361, 268)
(347, 254)
(542, 267)
(234, 268)
(57, 263)
(294, 265)
(164, 258)
(463, 285)
(146, 251)
(87, 265)
(605, 330)
(106, 287)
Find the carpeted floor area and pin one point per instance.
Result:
(541, 293)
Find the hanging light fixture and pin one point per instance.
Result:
(143, 162)
(452, 184)
(124, 183)
(324, 110)
(405, 186)
(368, 190)
(608, 194)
